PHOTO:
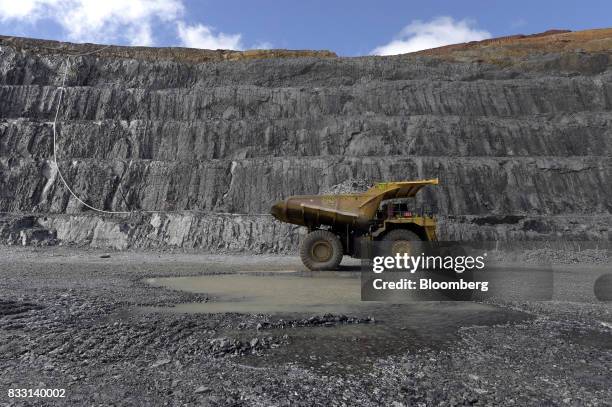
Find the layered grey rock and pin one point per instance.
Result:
(198, 152)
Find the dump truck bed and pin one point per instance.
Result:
(356, 210)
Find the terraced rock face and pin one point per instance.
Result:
(197, 145)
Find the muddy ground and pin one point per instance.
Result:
(90, 324)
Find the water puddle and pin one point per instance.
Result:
(270, 293)
(399, 328)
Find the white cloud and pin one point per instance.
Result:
(95, 20)
(131, 21)
(202, 36)
(440, 31)
(22, 10)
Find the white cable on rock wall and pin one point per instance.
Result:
(59, 171)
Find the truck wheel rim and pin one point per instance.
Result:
(401, 247)
(321, 251)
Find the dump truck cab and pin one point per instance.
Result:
(337, 224)
(402, 215)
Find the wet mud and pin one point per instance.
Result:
(326, 323)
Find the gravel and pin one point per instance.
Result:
(350, 186)
(71, 320)
(557, 256)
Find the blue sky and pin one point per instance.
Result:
(347, 27)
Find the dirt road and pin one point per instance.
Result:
(92, 325)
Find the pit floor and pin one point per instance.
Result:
(115, 330)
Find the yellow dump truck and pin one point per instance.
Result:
(337, 224)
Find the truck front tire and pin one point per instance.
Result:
(403, 241)
(321, 250)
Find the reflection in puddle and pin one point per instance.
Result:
(399, 328)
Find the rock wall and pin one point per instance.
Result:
(198, 146)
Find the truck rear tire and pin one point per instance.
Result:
(321, 250)
(402, 242)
